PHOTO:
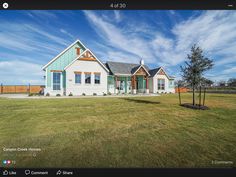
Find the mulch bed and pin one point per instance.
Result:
(196, 106)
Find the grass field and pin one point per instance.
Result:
(119, 132)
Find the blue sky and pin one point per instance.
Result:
(30, 39)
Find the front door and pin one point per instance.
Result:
(56, 80)
(121, 85)
(140, 84)
(128, 86)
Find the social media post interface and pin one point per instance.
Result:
(11, 154)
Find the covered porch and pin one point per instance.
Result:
(128, 84)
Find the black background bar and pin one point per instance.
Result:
(136, 172)
(118, 4)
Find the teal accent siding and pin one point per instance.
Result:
(126, 79)
(144, 83)
(110, 82)
(141, 83)
(125, 84)
(61, 62)
(64, 79)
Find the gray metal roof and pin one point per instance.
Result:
(117, 68)
(152, 72)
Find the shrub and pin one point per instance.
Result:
(94, 94)
(31, 94)
(70, 94)
(41, 92)
(58, 94)
(83, 94)
(48, 94)
(109, 93)
(34, 94)
(104, 94)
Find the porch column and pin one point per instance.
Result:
(126, 84)
(147, 87)
(134, 89)
(116, 85)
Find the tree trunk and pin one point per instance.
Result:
(204, 96)
(193, 95)
(200, 96)
(179, 95)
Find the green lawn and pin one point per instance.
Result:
(119, 132)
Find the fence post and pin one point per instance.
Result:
(1, 88)
(29, 88)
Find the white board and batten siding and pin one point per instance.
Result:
(88, 89)
(155, 84)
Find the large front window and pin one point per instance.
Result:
(56, 81)
(161, 84)
(87, 78)
(77, 78)
(97, 78)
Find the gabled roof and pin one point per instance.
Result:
(118, 68)
(77, 41)
(154, 71)
(138, 68)
(87, 50)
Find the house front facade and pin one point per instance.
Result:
(77, 71)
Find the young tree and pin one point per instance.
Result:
(222, 83)
(232, 82)
(207, 82)
(195, 67)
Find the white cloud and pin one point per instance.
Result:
(121, 57)
(117, 14)
(226, 60)
(18, 72)
(214, 31)
(124, 39)
(230, 70)
(67, 33)
(46, 34)
(26, 37)
(41, 14)
(118, 39)
(172, 12)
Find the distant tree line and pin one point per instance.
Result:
(210, 83)
(230, 83)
